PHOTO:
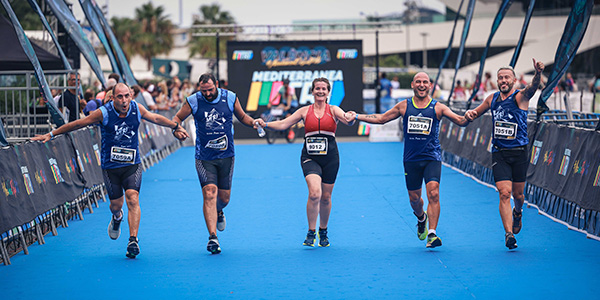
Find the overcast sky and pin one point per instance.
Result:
(257, 12)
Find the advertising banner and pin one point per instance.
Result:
(256, 71)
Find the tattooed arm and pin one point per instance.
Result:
(528, 92)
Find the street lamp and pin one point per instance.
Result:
(424, 34)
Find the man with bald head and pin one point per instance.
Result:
(421, 117)
(119, 121)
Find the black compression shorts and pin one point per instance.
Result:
(119, 179)
(326, 166)
(417, 171)
(510, 164)
(218, 172)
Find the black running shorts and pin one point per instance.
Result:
(417, 171)
(326, 166)
(218, 172)
(119, 179)
(510, 164)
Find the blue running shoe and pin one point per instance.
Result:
(311, 237)
(323, 239)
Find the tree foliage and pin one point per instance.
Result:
(206, 46)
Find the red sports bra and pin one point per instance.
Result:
(325, 125)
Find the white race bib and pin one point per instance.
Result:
(122, 155)
(316, 145)
(505, 130)
(419, 125)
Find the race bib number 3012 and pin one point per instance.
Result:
(505, 130)
(316, 145)
(419, 125)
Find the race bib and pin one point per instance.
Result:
(316, 145)
(505, 130)
(419, 125)
(218, 144)
(122, 155)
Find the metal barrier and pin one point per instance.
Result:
(22, 110)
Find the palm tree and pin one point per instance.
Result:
(127, 32)
(155, 32)
(205, 46)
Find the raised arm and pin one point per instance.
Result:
(92, 118)
(340, 114)
(524, 95)
(178, 131)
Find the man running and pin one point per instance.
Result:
(213, 109)
(422, 153)
(121, 165)
(509, 153)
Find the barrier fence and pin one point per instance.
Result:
(44, 185)
(563, 177)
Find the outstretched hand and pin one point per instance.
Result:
(42, 138)
(350, 116)
(259, 122)
(471, 115)
(538, 65)
(181, 134)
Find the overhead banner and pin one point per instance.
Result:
(170, 68)
(256, 71)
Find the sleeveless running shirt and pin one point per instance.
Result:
(120, 136)
(421, 130)
(313, 125)
(509, 121)
(214, 125)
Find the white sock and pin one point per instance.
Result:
(119, 218)
(431, 231)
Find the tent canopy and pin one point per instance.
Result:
(14, 59)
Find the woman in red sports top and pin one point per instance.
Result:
(320, 159)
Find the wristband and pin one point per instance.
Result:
(356, 117)
(51, 135)
(266, 124)
(176, 127)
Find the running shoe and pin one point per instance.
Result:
(133, 249)
(311, 237)
(323, 239)
(221, 222)
(114, 227)
(517, 223)
(213, 245)
(510, 241)
(422, 227)
(433, 241)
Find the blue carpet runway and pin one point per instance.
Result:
(374, 251)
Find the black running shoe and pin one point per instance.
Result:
(323, 240)
(433, 241)
(221, 222)
(510, 241)
(517, 223)
(311, 237)
(213, 245)
(133, 249)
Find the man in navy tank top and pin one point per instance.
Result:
(213, 109)
(509, 139)
(422, 153)
(119, 121)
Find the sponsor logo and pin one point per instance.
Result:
(564, 164)
(580, 167)
(347, 54)
(55, 171)
(597, 177)
(242, 55)
(290, 56)
(549, 157)
(9, 187)
(218, 144)
(27, 180)
(535, 152)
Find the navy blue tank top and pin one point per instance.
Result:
(214, 125)
(120, 136)
(509, 123)
(421, 130)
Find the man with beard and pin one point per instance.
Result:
(509, 153)
(422, 153)
(213, 109)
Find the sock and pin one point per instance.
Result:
(312, 230)
(431, 231)
(322, 229)
(119, 218)
(133, 238)
(421, 218)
